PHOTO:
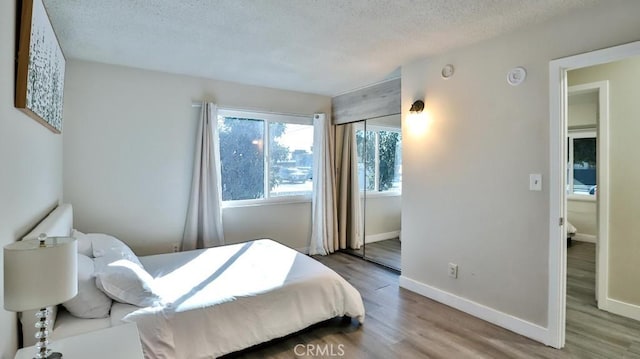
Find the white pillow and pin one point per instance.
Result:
(110, 247)
(84, 243)
(90, 301)
(125, 282)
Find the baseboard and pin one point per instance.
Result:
(481, 311)
(624, 309)
(303, 250)
(580, 237)
(381, 236)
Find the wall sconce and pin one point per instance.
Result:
(418, 119)
(417, 107)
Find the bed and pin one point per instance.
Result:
(219, 300)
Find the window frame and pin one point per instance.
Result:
(375, 191)
(571, 136)
(266, 118)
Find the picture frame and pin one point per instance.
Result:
(40, 67)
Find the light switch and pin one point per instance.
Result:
(535, 182)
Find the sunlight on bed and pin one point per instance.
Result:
(225, 274)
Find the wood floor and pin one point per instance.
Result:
(592, 333)
(386, 252)
(402, 324)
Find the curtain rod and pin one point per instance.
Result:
(199, 105)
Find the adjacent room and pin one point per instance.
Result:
(352, 179)
(600, 128)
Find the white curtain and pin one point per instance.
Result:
(324, 230)
(203, 226)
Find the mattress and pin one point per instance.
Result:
(66, 325)
(220, 300)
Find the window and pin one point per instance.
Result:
(582, 165)
(264, 155)
(379, 159)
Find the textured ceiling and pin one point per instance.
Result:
(317, 46)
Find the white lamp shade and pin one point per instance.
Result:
(36, 277)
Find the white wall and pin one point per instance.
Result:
(582, 110)
(382, 216)
(30, 168)
(583, 215)
(288, 223)
(465, 191)
(129, 142)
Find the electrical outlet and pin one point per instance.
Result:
(176, 247)
(453, 270)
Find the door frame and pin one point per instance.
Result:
(558, 92)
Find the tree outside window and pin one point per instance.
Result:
(582, 162)
(262, 157)
(379, 159)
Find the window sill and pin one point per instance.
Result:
(582, 198)
(373, 194)
(267, 202)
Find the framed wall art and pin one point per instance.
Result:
(40, 68)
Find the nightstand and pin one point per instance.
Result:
(121, 341)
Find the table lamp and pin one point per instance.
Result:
(37, 274)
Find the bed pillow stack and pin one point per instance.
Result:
(90, 301)
(108, 269)
(85, 247)
(120, 274)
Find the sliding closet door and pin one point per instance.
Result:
(381, 175)
(369, 186)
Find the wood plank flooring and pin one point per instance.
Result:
(402, 324)
(385, 252)
(593, 333)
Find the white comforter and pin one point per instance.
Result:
(228, 298)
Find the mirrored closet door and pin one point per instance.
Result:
(369, 171)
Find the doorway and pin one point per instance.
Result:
(559, 100)
(587, 174)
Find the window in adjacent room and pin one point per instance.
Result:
(265, 156)
(379, 159)
(582, 163)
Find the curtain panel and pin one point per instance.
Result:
(324, 230)
(349, 209)
(203, 225)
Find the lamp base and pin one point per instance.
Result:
(54, 355)
(42, 324)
